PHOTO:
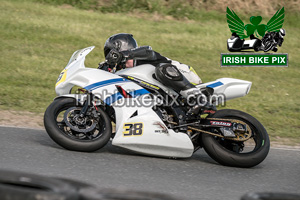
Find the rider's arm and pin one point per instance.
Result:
(158, 59)
(140, 53)
(115, 58)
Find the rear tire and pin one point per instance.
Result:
(64, 138)
(215, 148)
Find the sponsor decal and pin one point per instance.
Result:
(160, 131)
(62, 77)
(210, 111)
(143, 82)
(220, 123)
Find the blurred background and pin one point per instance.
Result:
(37, 38)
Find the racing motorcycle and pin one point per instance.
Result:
(137, 112)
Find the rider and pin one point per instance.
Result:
(122, 51)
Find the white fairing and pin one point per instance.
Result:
(229, 87)
(154, 140)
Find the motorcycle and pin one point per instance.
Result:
(148, 117)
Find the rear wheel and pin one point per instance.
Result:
(234, 153)
(64, 125)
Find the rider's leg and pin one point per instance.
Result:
(171, 77)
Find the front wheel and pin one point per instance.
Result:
(238, 154)
(64, 125)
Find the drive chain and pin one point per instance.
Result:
(241, 137)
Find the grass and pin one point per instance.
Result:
(37, 41)
(180, 9)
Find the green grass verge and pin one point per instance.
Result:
(37, 41)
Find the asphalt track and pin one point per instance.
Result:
(198, 177)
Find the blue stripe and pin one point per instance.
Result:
(115, 97)
(139, 92)
(213, 85)
(104, 83)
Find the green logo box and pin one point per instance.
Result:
(254, 60)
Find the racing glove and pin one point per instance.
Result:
(140, 53)
(114, 57)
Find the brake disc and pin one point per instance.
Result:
(77, 123)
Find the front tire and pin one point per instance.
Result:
(58, 130)
(225, 152)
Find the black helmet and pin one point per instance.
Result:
(120, 42)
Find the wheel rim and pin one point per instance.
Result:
(91, 135)
(246, 147)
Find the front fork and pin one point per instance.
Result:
(87, 103)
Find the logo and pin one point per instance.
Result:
(219, 123)
(255, 36)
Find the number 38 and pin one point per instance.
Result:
(133, 129)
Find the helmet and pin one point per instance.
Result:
(120, 42)
(282, 32)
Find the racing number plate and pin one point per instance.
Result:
(133, 129)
